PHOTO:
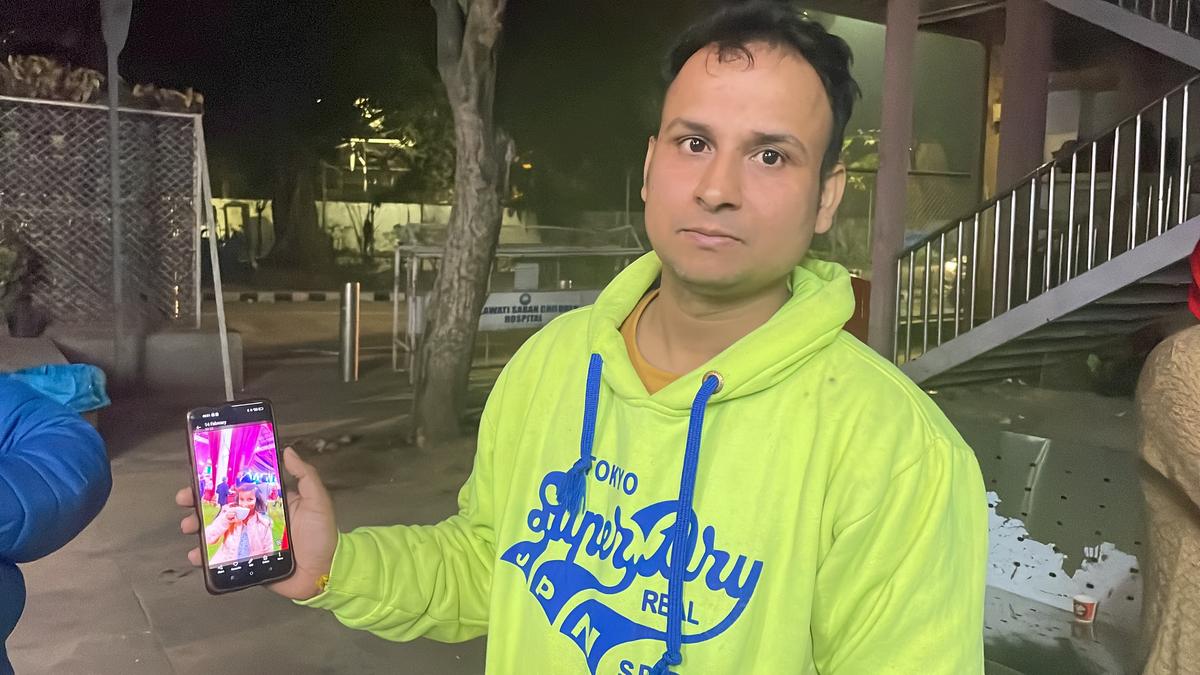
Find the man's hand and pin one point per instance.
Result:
(312, 531)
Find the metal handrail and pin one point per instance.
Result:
(1118, 192)
(1043, 169)
(1174, 14)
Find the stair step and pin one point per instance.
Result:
(1005, 363)
(1179, 274)
(1065, 331)
(1052, 345)
(1111, 313)
(1146, 294)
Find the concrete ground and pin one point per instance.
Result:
(122, 597)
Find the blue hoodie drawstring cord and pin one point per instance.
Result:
(683, 515)
(574, 484)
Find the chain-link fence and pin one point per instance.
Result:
(54, 195)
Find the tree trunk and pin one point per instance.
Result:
(468, 32)
(299, 239)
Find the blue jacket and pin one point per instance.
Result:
(54, 478)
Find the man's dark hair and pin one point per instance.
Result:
(734, 27)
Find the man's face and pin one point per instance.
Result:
(733, 185)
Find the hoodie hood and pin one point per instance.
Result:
(822, 302)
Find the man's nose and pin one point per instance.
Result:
(720, 186)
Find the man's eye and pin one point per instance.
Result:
(696, 145)
(771, 157)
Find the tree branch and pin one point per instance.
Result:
(487, 19)
(449, 37)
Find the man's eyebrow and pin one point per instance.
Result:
(692, 126)
(756, 138)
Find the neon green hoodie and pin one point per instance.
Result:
(834, 521)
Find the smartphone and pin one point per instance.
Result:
(239, 495)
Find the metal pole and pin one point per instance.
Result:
(1012, 245)
(1183, 145)
(995, 257)
(958, 272)
(941, 285)
(912, 263)
(1137, 169)
(395, 308)
(1032, 231)
(974, 271)
(413, 302)
(1062, 259)
(925, 300)
(114, 22)
(1091, 238)
(1149, 212)
(214, 261)
(1166, 224)
(1050, 228)
(348, 332)
(1187, 202)
(896, 326)
(1112, 197)
(198, 207)
(1071, 216)
(1162, 164)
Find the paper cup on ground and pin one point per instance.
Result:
(1085, 608)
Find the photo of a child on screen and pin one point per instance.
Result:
(240, 493)
(242, 529)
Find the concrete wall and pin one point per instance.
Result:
(172, 361)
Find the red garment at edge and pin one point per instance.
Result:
(1194, 292)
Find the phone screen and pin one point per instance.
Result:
(240, 495)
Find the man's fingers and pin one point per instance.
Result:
(194, 557)
(184, 497)
(308, 483)
(190, 524)
(296, 466)
(293, 497)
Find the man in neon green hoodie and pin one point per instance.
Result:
(701, 473)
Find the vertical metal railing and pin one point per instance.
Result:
(1073, 214)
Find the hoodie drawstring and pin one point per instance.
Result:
(683, 515)
(574, 486)
(575, 482)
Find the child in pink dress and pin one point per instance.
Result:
(243, 528)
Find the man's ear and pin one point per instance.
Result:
(833, 187)
(646, 166)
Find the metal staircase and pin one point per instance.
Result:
(1087, 248)
(1169, 27)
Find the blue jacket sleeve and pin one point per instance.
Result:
(54, 473)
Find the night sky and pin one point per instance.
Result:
(578, 85)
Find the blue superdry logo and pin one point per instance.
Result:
(598, 557)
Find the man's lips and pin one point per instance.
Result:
(709, 237)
